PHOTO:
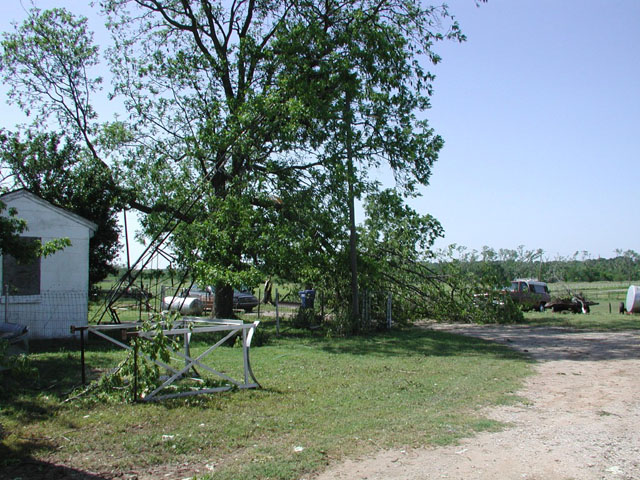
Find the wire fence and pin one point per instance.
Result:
(376, 309)
(270, 303)
(49, 314)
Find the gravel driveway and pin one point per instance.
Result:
(580, 420)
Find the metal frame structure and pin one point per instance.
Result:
(186, 326)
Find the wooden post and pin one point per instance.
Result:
(75, 329)
(259, 301)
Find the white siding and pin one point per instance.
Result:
(64, 280)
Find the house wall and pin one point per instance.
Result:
(64, 277)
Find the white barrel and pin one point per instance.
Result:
(633, 299)
(185, 305)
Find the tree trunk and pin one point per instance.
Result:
(223, 302)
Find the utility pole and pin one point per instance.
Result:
(353, 254)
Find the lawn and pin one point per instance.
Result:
(322, 399)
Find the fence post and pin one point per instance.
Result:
(259, 301)
(6, 303)
(84, 377)
(277, 313)
(389, 319)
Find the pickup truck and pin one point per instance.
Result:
(531, 294)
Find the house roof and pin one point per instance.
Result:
(24, 193)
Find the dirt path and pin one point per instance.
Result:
(581, 419)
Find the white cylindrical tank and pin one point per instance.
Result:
(185, 305)
(633, 299)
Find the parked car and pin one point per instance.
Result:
(531, 294)
(242, 300)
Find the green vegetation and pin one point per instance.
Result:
(65, 176)
(249, 127)
(331, 397)
(613, 292)
(604, 316)
(503, 265)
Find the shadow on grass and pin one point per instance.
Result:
(551, 343)
(52, 371)
(32, 469)
(594, 322)
(417, 341)
(18, 463)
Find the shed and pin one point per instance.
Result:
(50, 294)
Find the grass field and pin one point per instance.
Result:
(614, 292)
(604, 316)
(322, 399)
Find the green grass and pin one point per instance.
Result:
(604, 316)
(331, 397)
(322, 400)
(597, 291)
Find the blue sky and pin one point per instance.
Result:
(540, 112)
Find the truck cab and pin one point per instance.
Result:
(531, 294)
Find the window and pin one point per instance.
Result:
(21, 278)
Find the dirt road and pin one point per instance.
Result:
(580, 420)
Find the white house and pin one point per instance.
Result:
(49, 294)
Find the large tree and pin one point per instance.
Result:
(246, 108)
(255, 123)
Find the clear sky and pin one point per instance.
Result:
(540, 112)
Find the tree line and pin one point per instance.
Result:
(503, 265)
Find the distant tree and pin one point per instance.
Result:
(628, 262)
(65, 175)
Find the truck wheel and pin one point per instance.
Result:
(541, 307)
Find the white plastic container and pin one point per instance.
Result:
(633, 299)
